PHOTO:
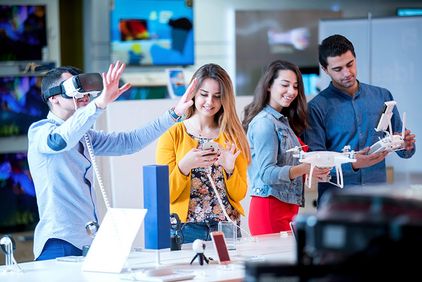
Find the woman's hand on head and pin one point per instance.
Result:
(111, 90)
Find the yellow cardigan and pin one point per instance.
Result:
(172, 146)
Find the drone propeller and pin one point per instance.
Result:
(295, 148)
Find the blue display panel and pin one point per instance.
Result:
(18, 206)
(20, 104)
(23, 32)
(152, 32)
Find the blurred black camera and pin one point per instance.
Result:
(357, 235)
(176, 237)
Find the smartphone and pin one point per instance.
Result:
(385, 117)
(211, 145)
(219, 243)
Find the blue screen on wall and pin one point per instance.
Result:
(18, 205)
(23, 32)
(409, 12)
(20, 104)
(152, 32)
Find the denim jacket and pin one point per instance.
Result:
(269, 135)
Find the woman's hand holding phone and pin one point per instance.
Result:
(196, 158)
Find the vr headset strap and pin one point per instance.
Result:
(52, 92)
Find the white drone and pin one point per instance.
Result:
(325, 159)
(390, 142)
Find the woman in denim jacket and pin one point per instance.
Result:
(273, 121)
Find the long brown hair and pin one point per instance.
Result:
(227, 118)
(296, 112)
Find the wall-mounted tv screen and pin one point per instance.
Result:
(310, 84)
(18, 205)
(265, 36)
(23, 32)
(152, 32)
(310, 78)
(409, 12)
(20, 104)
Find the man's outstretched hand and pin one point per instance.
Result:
(111, 90)
(187, 99)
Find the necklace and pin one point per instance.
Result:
(202, 132)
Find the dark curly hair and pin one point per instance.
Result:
(333, 46)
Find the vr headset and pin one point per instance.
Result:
(77, 87)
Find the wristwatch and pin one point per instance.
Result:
(175, 116)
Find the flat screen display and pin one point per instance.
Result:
(20, 104)
(176, 84)
(152, 32)
(18, 205)
(409, 12)
(265, 36)
(23, 32)
(310, 78)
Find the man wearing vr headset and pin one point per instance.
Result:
(58, 155)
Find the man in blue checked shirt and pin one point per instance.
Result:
(346, 113)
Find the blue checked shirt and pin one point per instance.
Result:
(337, 119)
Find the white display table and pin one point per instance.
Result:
(274, 248)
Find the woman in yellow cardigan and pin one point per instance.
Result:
(212, 118)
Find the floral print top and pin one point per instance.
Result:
(203, 205)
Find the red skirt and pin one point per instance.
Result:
(270, 215)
